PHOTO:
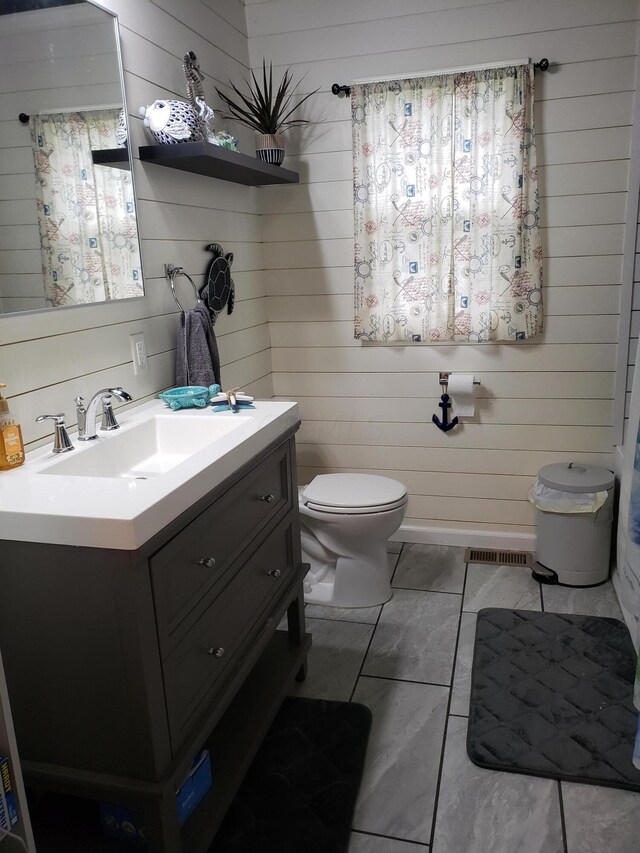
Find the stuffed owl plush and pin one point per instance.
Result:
(219, 289)
(172, 121)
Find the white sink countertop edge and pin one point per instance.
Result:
(120, 513)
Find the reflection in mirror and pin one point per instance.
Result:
(68, 230)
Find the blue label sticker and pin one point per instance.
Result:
(54, 275)
(135, 275)
(93, 243)
(416, 339)
(467, 225)
(413, 266)
(411, 190)
(466, 145)
(520, 336)
(129, 207)
(464, 301)
(518, 261)
(47, 211)
(83, 174)
(520, 180)
(408, 109)
(40, 140)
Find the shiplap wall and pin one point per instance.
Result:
(84, 66)
(369, 408)
(49, 358)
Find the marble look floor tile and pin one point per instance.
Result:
(486, 810)
(337, 650)
(398, 788)
(392, 562)
(592, 601)
(600, 819)
(361, 843)
(464, 660)
(367, 615)
(500, 586)
(415, 637)
(431, 567)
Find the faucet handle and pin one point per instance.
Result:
(61, 442)
(109, 421)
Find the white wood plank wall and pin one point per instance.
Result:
(368, 408)
(49, 358)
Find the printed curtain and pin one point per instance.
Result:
(447, 244)
(86, 213)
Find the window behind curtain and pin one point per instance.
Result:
(447, 244)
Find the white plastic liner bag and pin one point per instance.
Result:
(554, 500)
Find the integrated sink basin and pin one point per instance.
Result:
(121, 489)
(150, 448)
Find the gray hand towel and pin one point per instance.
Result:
(197, 359)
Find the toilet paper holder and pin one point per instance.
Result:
(444, 379)
(445, 424)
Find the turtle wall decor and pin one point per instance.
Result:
(218, 289)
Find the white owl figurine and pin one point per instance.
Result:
(172, 121)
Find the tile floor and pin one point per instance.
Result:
(410, 662)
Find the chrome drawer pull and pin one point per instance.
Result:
(267, 498)
(207, 562)
(274, 573)
(216, 653)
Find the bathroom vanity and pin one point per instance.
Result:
(148, 632)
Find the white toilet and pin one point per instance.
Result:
(346, 520)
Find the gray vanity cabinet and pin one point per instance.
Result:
(122, 665)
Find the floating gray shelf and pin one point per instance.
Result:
(202, 158)
(117, 158)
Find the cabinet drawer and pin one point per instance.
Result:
(220, 637)
(194, 565)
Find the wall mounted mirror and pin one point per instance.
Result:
(68, 225)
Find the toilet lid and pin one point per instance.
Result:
(349, 492)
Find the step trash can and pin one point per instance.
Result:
(574, 515)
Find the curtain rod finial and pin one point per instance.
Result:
(340, 91)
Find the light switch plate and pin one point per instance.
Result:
(139, 353)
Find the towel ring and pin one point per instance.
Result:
(171, 273)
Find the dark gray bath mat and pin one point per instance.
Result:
(552, 695)
(300, 791)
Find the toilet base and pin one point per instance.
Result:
(362, 581)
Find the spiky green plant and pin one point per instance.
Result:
(262, 109)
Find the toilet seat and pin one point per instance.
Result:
(353, 494)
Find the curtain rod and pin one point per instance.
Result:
(23, 118)
(344, 89)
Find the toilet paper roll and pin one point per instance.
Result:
(462, 392)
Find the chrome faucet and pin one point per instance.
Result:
(87, 416)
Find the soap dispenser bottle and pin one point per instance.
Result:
(11, 444)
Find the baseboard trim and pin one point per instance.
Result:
(465, 537)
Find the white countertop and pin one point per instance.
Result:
(124, 513)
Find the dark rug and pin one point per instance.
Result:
(552, 695)
(300, 792)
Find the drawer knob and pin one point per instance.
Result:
(207, 562)
(267, 498)
(274, 573)
(217, 652)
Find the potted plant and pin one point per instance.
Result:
(266, 111)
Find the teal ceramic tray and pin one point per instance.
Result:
(189, 396)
